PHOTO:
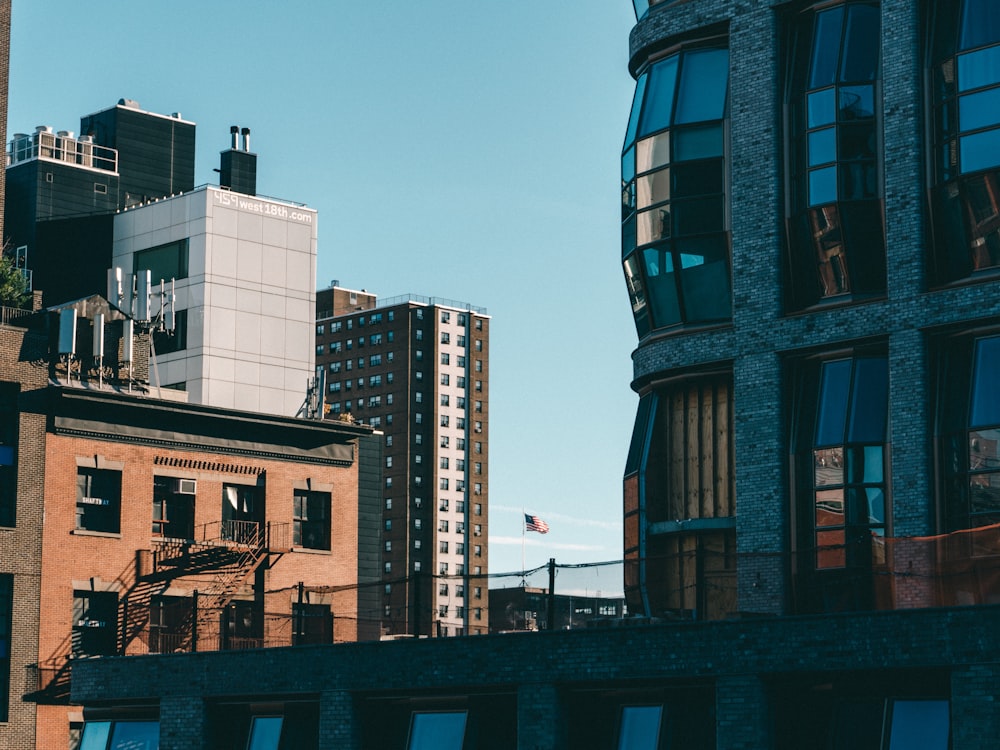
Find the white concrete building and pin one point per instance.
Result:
(245, 280)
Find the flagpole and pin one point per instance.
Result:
(524, 526)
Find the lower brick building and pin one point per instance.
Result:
(149, 526)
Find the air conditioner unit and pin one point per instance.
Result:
(185, 486)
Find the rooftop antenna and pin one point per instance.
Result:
(98, 347)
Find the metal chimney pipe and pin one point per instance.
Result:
(234, 131)
(246, 139)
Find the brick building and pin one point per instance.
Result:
(809, 223)
(811, 509)
(417, 369)
(149, 526)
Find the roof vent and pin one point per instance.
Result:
(130, 103)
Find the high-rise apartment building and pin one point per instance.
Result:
(417, 369)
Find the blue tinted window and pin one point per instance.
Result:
(822, 186)
(979, 110)
(95, 735)
(640, 728)
(980, 151)
(985, 380)
(826, 48)
(702, 94)
(437, 731)
(980, 23)
(980, 68)
(861, 44)
(868, 401)
(633, 119)
(659, 97)
(129, 735)
(661, 288)
(835, 384)
(698, 143)
(265, 733)
(705, 279)
(919, 724)
(822, 146)
(856, 103)
(822, 106)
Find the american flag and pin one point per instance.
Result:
(534, 523)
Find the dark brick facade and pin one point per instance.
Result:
(746, 673)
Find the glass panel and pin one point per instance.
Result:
(835, 383)
(699, 178)
(822, 106)
(659, 97)
(437, 731)
(139, 735)
(873, 508)
(824, 231)
(980, 68)
(95, 735)
(828, 466)
(822, 146)
(922, 724)
(653, 188)
(653, 225)
(705, 279)
(869, 400)
(633, 119)
(864, 464)
(698, 216)
(628, 165)
(861, 44)
(661, 287)
(826, 48)
(856, 103)
(858, 725)
(698, 143)
(858, 181)
(984, 495)
(862, 222)
(637, 295)
(985, 410)
(984, 450)
(857, 142)
(980, 23)
(265, 733)
(829, 508)
(641, 6)
(979, 110)
(702, 94)
(640, 729)
(628, 199)
(830, 549)
(652, 153)
(639, 434)
(628, 236)
(822, 186)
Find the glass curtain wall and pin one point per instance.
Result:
(842, 460)
(965, 110)
(675, 241)
(836, 243)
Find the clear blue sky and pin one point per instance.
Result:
(455, 149)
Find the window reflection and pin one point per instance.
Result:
(674, 213)
(843, 413)
(965, 62)
(835, 238)
(640, 728)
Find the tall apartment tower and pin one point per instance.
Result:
(417, 369)
(811, 249)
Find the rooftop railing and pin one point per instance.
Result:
(62, 147)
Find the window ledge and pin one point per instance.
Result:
(88, 532)
(308, 551)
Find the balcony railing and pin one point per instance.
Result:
(62, 147)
